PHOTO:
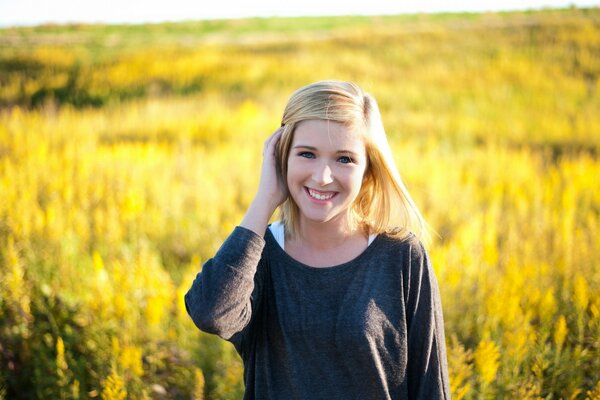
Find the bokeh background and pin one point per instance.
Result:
(129, 152)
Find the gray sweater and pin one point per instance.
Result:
(370, 328)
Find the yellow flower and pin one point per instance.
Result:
(115, 346)
(560, 332)
(131, 359)
(547, 306)
(155, 310)
(487, 356)
(98, 262)
(582, 292)
(460, 367)
(199, 385)
(61, 362)
(114, 387)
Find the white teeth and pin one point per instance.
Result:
(319, 196)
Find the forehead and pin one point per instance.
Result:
(327, 135)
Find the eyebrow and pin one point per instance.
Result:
(301, 146)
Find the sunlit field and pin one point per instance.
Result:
(128, 154)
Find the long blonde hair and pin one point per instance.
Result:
(383, 204)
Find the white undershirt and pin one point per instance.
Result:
(278, 232)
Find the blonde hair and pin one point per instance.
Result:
(383, 204)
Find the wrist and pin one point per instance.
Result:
(266, 202)
(258, 215)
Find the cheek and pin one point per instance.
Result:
(292, 172)
(357, 184)
(356, 180)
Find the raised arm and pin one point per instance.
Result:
(222, 296)
(271, 190)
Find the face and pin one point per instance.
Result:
(325, 169)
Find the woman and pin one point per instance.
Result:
(338, 299)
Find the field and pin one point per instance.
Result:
(128, 153)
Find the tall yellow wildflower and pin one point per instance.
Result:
(547, 306)
(62, 369)
(15, 277)
(595, 311)
(115, 346)
(199, 387)
(75, 389)
(155, 309)
(487, 360)
(581, 292)
(560, 332)
(460, 367)
(14, 288)
(65, 382)
(528, 389)
(131, 359)
(518, 340)
(114, 387)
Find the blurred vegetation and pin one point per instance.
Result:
(121, 170)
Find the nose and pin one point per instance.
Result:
(323, 175)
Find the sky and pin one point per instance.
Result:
(34, 12)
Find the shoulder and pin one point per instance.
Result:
(406, 242)
(400, 252)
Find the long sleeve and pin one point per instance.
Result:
(427, 363)
(220, 299)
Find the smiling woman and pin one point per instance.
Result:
(383, 203)
(338, 300)
(321, 170)
(325, 170)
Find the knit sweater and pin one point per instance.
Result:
(370, 328)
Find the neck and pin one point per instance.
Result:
(326, 235)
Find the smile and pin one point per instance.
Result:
(317, 195)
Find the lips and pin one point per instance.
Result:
(319, 195)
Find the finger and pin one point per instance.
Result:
(273, 139)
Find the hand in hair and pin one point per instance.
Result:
(271, 190)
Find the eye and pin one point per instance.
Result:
(306, 154)
(345, 160)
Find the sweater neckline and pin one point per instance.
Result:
(280, 253)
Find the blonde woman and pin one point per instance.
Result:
(337, 299)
